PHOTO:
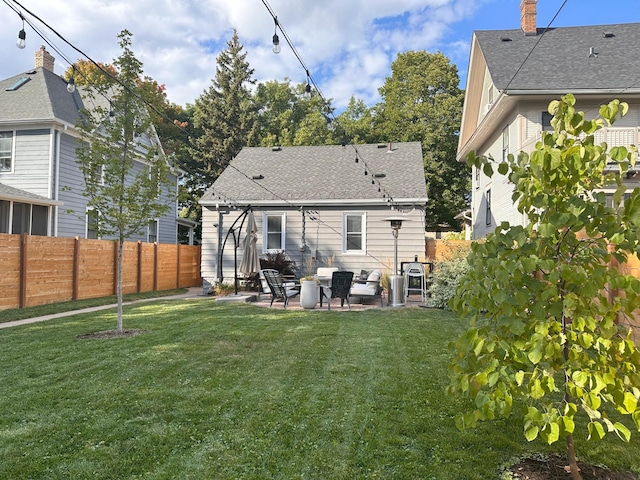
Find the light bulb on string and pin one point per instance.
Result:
(276, 40)
(71, 85)
(22, 35)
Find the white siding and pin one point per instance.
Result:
(320, 240)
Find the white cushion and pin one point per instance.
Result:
(325, 271)
(374, 276)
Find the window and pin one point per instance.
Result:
(488, 210)
(39, 214)
(273, 234)
(6, 151)
(477, 172)
(152, 237)
(92, 224)
(546, 121)
(353, 233)
(505, 143)
(5, 210)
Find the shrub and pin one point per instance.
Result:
(279, 261)
(446, 277)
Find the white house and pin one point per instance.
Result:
(514, 74)
(322, 205)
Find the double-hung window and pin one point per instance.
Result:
(6, 151)
(152, 237)
(488, 218)
(273, 233)
(353, 233)
(93, 230)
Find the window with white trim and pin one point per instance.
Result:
(488, 218)
(92, 222)
(152, 235)
(505, 143)
(6, 151)
(353, 233)
(273, 232)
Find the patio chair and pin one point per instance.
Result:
(340, 288)
(369, 288)
(415, 280)
(277, 287)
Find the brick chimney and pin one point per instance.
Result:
(528, 17)
(44, 59)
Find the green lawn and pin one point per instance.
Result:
(242, 392)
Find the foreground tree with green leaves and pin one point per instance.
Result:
(125, 177)
(549, 308)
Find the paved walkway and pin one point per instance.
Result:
(196, 292)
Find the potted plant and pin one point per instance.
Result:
(308, 292)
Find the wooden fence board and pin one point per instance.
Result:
(56, 269)
(10, 268)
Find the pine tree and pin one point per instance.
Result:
(224, 115)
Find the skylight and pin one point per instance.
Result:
(20, 82)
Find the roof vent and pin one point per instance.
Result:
(382, 145)
(505, 39)
(257, 177)
(592, 53)
(608, 34)
(276, 149)
(379, 175)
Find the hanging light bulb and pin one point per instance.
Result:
(71, 85)
(21, 43)
(307, 90)
(276, 40)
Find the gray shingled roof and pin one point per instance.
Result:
(17, 195)
(322, 174)
(43, 97)
(561, 62)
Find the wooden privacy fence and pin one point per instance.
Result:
(40, 270)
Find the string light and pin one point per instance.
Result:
(276, 40)
(71, 85)
(22, 35)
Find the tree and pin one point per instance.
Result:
(290, 116)
(110, 153)
(356, 123)
(546, 325)
(421, 101)
(224, 115)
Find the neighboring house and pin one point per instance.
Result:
(41, 185)
(324, 206)
(514, 74)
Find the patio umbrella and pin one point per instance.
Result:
(250, 262)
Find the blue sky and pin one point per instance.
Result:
(347, 45)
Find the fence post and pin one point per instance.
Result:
(76, 268)
(155, 266)
(23, 270)
(178, 269)
(139, 280)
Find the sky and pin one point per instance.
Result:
(348, 46)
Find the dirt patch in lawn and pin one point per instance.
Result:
(556, 468)
(131, 332)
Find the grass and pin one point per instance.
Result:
(241, 392)
(13, 314)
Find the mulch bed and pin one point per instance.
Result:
(556, 468)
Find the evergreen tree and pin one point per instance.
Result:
(224, 115)
(422, 101)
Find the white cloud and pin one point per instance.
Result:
(348, 45)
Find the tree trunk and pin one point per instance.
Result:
(573, 463)
(120, 255)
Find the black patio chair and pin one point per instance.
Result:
(278, 288)
(340, 288)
